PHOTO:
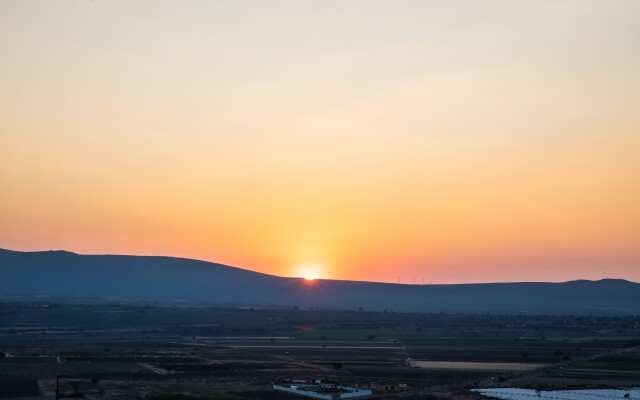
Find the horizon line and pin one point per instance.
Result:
(315, 279)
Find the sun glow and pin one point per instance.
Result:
(309, 272)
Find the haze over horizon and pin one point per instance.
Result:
(308, 277)
(453, 142)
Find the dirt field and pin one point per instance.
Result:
(474, 366)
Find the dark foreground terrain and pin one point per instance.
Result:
(119, 351)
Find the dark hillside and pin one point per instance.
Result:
(63, 274)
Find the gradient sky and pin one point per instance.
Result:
(450, 141)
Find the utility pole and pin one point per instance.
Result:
(57, 383)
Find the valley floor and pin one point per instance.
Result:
(118, 351)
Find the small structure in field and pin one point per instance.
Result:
(319, 389)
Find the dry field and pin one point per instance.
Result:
(475, 366)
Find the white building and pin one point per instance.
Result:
(322, 390)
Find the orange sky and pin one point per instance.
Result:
(453, 141)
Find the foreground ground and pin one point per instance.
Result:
(156, 352)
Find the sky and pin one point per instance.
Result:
(411, 141)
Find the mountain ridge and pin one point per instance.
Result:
(322, 279)
(62, 274)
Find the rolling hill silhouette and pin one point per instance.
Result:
(65, 275)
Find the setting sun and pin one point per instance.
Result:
(309, 272)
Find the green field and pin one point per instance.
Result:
(381, 334)
(621, 365)
(462, 334)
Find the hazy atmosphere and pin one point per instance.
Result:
(444, 142)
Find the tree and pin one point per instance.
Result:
(336, 365)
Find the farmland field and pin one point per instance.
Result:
(115, 351)
(471, 366)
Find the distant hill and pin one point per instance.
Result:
(61, 274)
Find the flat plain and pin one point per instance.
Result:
(152, 351)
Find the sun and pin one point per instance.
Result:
(309, 272)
